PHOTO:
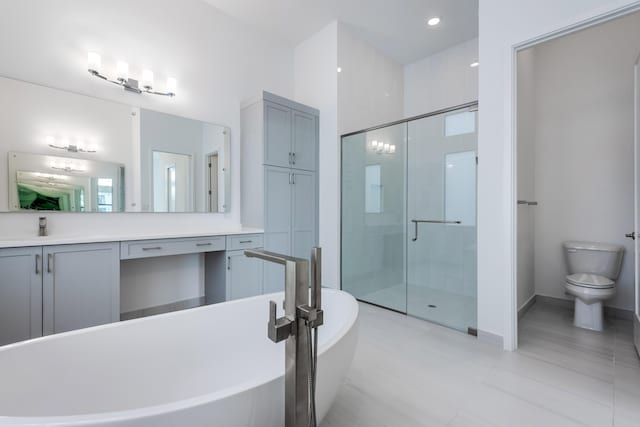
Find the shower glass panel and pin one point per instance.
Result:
(374, 215)
(409, 217)
(441, 204)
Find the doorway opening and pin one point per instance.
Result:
(577, 187)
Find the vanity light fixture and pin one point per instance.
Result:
(382, 147)
(94, 64)
(72, 148)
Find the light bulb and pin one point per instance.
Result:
(171, 85)
(122, 71)
(93, 62)
(147, 79)
(374, 144)
(392, 149)
(386, 148)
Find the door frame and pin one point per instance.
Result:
(511, 333)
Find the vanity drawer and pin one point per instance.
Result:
(166, 247)
(244, 241)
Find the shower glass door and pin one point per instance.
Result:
(441, 219)
(374, 215)
(408, 238)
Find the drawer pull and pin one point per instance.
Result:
(246, 241)
(152, 248)
(203, 244)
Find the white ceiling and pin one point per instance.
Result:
(396, 27)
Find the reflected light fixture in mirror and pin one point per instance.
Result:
(72, 148)
(94, 65)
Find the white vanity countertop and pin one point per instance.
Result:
(62, 239)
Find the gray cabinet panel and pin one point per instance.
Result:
(20, 294)
(304, 141)
(81, 286)
(277, 236)
(244, 276)
(277, 135)
(304, 213)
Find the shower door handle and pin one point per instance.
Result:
(429, 221)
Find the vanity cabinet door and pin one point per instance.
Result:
(244, 276)
(277, 135)
(304, 141)
(20, 294)
(81, 286)
(304, 213)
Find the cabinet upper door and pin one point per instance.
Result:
(277, 135)
(20, 294)
(81, 286)
(304, 221)
(305, 141)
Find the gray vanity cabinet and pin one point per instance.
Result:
(244, 276)
(279, 150)
(20, 294)
(81, 286)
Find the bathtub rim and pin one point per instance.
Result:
(114, 416)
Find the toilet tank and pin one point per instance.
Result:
(603, 259)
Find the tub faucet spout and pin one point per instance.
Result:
(300, 316)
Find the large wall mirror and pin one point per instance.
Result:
(74, 153)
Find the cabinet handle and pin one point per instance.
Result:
(203, 244)
(153, 248)
(290, 179)
(228, 263)
(294, 158)
(246, 241)
(37, 264)
(49, 263)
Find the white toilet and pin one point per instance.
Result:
(593, 269)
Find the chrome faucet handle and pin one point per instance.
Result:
(278, 329)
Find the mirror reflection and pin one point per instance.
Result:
(74, 153)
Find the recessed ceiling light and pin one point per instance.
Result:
(474, 64)
(433, 21)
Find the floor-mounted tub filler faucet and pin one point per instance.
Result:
(302, 316)
(42, 226)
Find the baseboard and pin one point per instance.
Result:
(526, 306)
(617, 313)
(165, 308)
(491, 338)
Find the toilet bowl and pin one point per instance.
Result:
(593, 268)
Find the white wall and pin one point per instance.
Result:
(442, 80)
(584, 149)
(526, 125)
(217, 61)
(370, 86)
(504, 24)
(316, 84)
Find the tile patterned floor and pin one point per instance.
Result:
(408, 372)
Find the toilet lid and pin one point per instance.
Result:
(590, 280)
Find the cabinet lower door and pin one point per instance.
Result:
(244, 276)
(304, 221)
(277, 236)
(20, 294)
(81, 286)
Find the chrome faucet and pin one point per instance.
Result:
(301, 316)
(42, 224)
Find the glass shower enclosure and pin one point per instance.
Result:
(408, 240)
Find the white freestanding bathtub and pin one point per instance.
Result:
(209, 366)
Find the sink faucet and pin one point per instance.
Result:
(301, 316)
(42, 223)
